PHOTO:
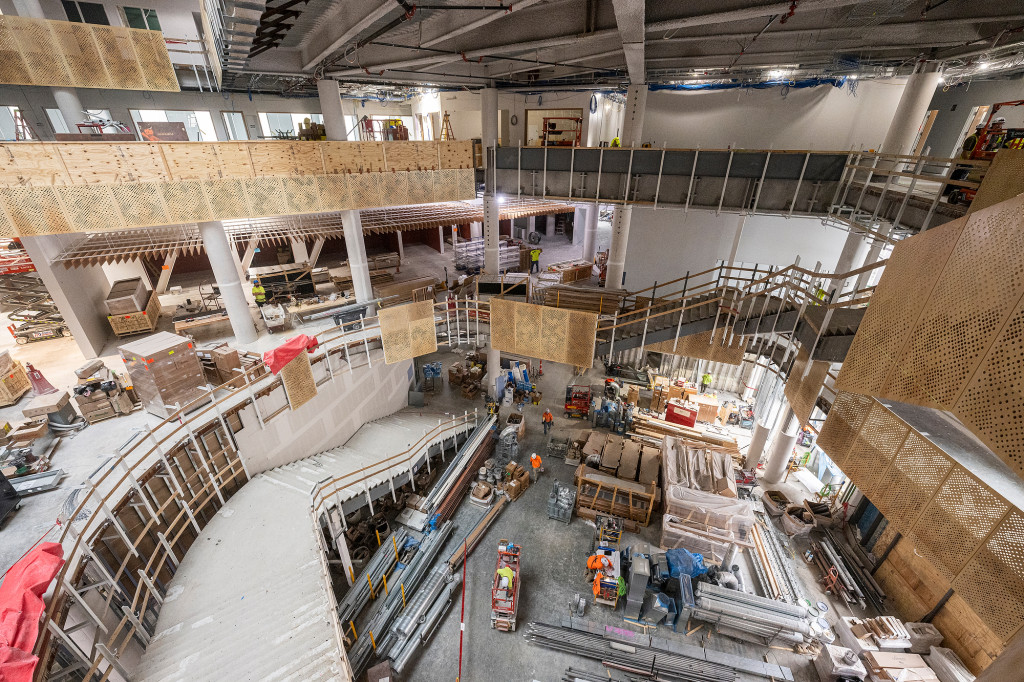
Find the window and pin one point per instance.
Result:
(60, 125)
(234, 123)
(284, 125)
(85, 12)
(137, 17)
(198, 124)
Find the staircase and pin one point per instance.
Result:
(751, 302)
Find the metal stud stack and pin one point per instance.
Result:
(745, 616)
(561, 502)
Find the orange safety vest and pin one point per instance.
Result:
(548, 417)
(597, 562)
(597, 585)
(535, 461)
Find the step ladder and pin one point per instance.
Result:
(446, 128)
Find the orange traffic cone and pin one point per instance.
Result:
(40, 386)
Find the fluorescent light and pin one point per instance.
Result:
(853, 76)
(983, 66)
(941, 80)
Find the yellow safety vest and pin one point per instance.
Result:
(535, 255)
(259, 293)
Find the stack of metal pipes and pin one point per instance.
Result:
(743, 615)
(381, 563)
(450, 487)
(402, 586)
(629, 658)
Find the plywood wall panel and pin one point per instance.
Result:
(119, 58)
(192, 160)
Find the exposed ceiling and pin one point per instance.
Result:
(533, 44)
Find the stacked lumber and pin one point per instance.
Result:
(342, 277)
(405, 291)
(588, 298)
(572, 270)
(646, 424)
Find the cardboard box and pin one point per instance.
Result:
(165, 372)
(25, 434)
(89, 369)
(629, 461)
(888, 659)
(42, 405)
(595, 444)
(612, 453)
(99, 415)
(127, 296)
(650, 465)
(121, 403)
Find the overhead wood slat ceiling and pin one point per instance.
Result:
(97, 248)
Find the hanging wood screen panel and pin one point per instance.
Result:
(802, 391)
(555, 334)
(702, 346)
(407, 331)
(906, 283)
(68, 54)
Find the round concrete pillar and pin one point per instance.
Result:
(757, 442)
(617, 252)
(775, 467)
(218, 249)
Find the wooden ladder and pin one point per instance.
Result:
(446, 128)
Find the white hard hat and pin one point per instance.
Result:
(999, 120)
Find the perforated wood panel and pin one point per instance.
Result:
(456, 154)
(802, 391)
(420, 187)
(978, 289)
(993, 582)
(334, 194)
(1003, 180)
(906, 283)
(66, 54)
(957, 520)
(880, 436)
(702, 346)
(992, 406)
(407, 331)
(905, 488)
(842, 425)
(299, 383)
(302, 194)
(555, 334)
(87, 163)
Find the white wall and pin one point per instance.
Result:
(954, 107)
(824, 118)
(341, 406)
(666, 243)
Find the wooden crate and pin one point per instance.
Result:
(141, 322)
(14, 384)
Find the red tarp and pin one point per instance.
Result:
(288, 351)
(21, 604)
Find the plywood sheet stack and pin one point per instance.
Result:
(165, 371)
(645, 424)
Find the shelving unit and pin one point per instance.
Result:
(469, 255)
(561, 131)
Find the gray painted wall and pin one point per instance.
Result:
(950, 121)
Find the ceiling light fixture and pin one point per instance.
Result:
(983, 66)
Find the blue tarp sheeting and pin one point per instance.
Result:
(733, 85)
(683, 562)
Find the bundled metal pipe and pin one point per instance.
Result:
(458, 465)
(388, 607)
(382, 561)
(427, 624)
(628, 657)
(762, 603)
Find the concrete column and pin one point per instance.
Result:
(492, 252)
(917, 96)
(166, 271)
(488, 119)
(741, 220)
(330, 107)
(493, 368)
(300, 254)
(855, 250)
(782, 448)
(579, 218)
(617, 253)
(633, 118)
(218, 249)
(595, 122)
(531, 224)
(590, 232)
(757, 442)
(874, 252)
(356, 248)
(78, 293)
(242, 266)
(440, 235)
(401, 246)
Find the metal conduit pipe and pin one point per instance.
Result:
(451, 474)
(763, 603)
(380, 563)
(427, 625)
(840, 565)
(738, 611)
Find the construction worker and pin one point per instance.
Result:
(547, 419)
(996, 135)
(535, 259)
(616, 142)
(971, 142)
(259, 293)
(705, 382)
(535, 464)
